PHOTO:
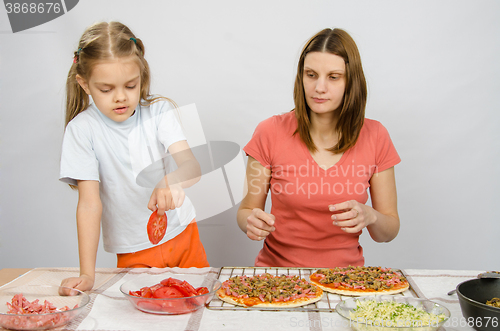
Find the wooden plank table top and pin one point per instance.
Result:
(9, 274)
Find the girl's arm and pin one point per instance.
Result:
(88, 221)
(251, 217)
(169, 192)
(382, 221)
(188, 170)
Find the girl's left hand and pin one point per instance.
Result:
(352, 216)
(167, 198)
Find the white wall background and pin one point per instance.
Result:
(433, 76)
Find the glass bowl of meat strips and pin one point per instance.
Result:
(169, 294)
(392, 313)
(40, 307)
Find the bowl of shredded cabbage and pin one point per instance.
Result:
(392, 313)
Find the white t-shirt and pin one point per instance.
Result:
(128, 159)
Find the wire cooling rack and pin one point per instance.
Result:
(326, 304)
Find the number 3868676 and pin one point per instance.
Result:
(473, 322)
(33, 7)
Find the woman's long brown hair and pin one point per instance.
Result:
(351, 113)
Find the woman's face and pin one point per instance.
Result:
(324, 81)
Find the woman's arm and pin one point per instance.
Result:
(88, 221)
(385, 206)
(382, 221)
(169, 192)
(251, 217)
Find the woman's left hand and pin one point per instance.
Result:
(352, 216)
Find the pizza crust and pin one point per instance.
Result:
(280, 304)
(360, 293)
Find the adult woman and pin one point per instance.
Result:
(318, 162)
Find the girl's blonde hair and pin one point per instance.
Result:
(351, 113)
(104, 41)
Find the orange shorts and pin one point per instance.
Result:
(184, 251)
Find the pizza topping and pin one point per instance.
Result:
(20, 305)
(391, 313)
(32, 315)
(269, 288)
(363, 278)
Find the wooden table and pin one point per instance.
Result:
(9, 274)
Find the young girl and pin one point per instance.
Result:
(114, 147)
(318, 161)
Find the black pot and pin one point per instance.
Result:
(472, 295)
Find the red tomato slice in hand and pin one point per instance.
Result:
(157, 227)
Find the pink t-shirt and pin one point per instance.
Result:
(301, 192)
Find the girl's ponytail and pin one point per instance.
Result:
(76, 98)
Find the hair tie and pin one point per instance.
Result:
(77, 55)
(134, 40)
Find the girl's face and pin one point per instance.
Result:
(115, 87)
(324, 81)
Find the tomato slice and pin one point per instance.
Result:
(183, 289)
(171, 288)
(135, 293)
(155, 287)
(175, 306)
(146, 292)
(169, 281)
(149, 305)
(167, 292)
(202, 290)
(157, 227)
(189, 288)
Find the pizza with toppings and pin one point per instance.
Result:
(266, 290)
(357, 281)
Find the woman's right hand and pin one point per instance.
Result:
(82, 283)
(259, 224)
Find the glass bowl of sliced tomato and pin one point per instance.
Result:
(40, 307)
(169, 295)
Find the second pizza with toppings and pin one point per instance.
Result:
(267, 290)
(357, 281)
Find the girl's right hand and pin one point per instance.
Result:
(82, 283)
(259, 224)
(169, 198)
